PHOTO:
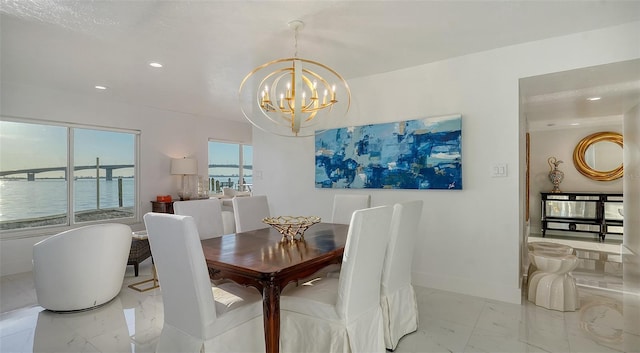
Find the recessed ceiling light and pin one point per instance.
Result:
(574, 124)
(154, 64)
(101, 87)
(594, 98)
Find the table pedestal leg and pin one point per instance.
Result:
(271, 310)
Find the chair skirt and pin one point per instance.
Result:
(400, 313)
(232, 341)
(304, 333)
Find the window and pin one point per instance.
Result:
(38, 161)
(230, 165)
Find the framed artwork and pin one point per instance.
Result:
(411, 154)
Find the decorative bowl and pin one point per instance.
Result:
(163, 198)
(291, 227)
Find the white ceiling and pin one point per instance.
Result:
(207, 47)
(559, 100)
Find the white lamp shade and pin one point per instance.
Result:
(184, 166)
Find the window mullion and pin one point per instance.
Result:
(240, 168)
(70, 176)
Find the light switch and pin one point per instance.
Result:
(499, 170)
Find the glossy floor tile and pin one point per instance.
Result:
(608, 320)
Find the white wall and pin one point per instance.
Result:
(469, 239)
(560, 144)
(164, 135)
(631, 238)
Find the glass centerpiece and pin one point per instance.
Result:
(292, 228)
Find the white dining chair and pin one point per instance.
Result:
(344, 205)
(224, 318)
(397, 296)
(249, 211)
(342, 314)
(210, 220)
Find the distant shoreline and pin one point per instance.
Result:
(62, 178)
(114, 178)
(61, 219)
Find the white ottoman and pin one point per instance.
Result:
(543, 246)
(551, 285)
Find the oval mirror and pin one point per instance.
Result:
(599, 156)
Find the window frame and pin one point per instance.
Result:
(71, 223)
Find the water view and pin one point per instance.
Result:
(227, 177)
(22, 199)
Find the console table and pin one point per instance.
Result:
(162, 207)
(588, 212)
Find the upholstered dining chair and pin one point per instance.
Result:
(397, 296)
(210, 220)
(249, 212)
(344, 205)
(342, 314)
(224, 318)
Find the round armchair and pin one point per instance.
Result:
(81, 268)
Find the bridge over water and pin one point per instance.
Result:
(31, 172)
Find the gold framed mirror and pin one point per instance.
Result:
(585, 156)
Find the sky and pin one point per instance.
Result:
(24, 146)
(228, 153)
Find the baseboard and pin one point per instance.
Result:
(483, 289)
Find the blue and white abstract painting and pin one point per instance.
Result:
(413, 154)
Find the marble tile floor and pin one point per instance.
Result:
(449, 322)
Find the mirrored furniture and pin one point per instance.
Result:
(599, 213)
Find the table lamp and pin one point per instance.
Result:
(184, 167)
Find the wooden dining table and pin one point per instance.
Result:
(260, 258)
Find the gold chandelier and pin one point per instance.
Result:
(293, 96)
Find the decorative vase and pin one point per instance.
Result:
(203, 187)
(555, 175)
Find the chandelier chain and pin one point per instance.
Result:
(295, 40)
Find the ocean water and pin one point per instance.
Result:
(22, 199)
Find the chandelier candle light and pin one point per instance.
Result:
(293, 96)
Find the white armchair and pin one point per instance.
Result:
(81, 268)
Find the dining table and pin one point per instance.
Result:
(263, 259)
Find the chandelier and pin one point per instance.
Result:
(293, 96)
